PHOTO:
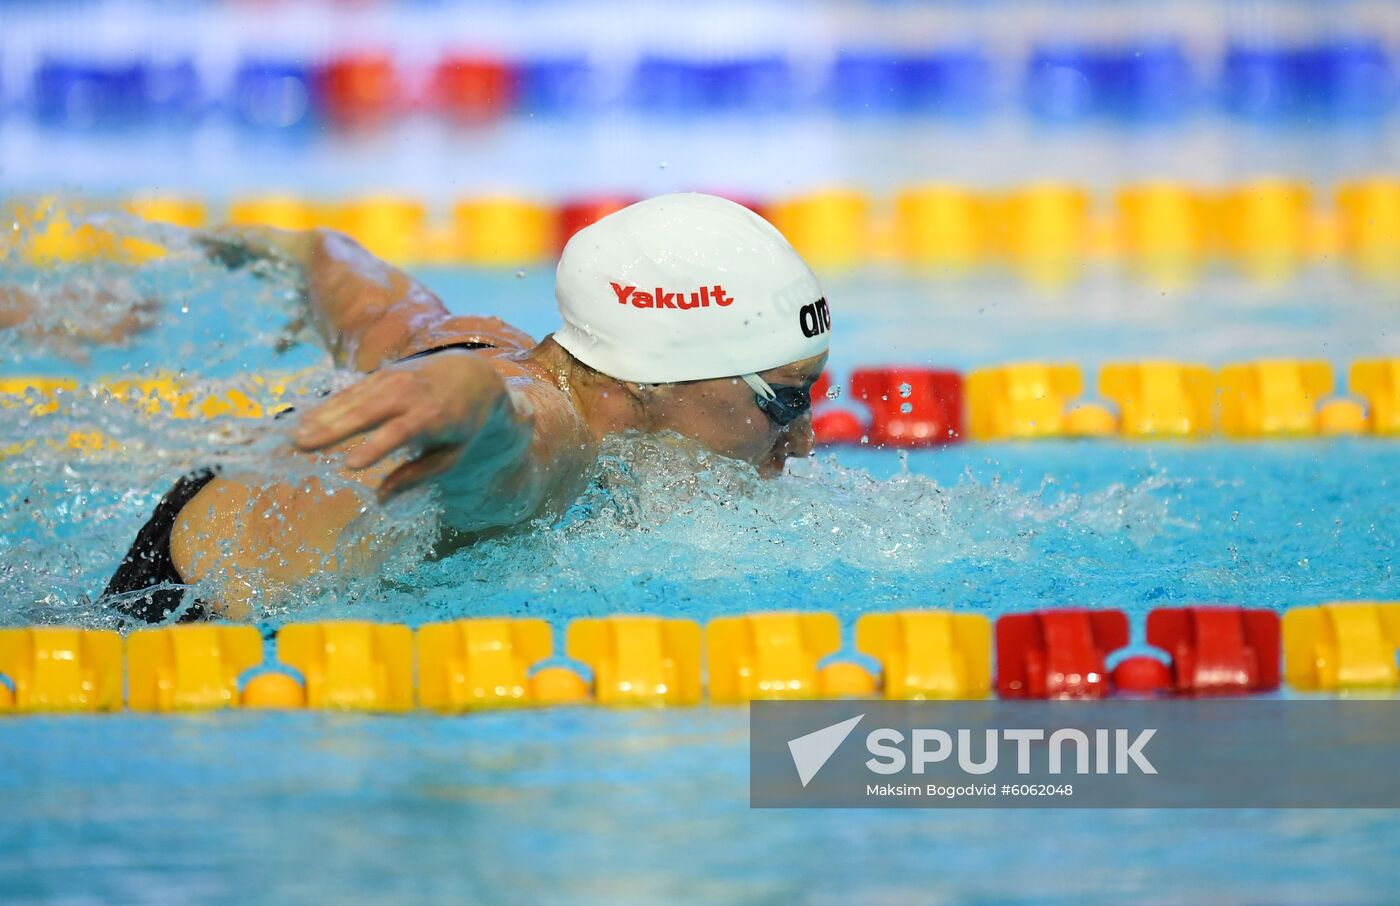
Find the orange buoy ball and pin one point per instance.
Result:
(273, 689)
(1142, 674)
(844, 679)
(558, 686)
(1090, 420)
(1341, 417)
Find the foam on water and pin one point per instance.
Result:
(663, 526)
(667, 528)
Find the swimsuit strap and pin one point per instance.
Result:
(465, 344)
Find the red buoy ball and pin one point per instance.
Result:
(1142, 674)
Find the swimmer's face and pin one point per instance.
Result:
(722, 415)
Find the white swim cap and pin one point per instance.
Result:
(687, 287)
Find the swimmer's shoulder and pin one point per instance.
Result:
(562, 448)
(513, 353)
(486, 336)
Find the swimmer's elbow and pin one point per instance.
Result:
(15, 307)
(496, 481)
(533, 461)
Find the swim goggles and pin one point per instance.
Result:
(783, 405)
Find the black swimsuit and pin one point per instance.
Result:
(148, 567)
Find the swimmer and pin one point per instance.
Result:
(683, 313)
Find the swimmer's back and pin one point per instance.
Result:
(501, 435)
(219, 530)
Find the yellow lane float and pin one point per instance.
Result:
(502, 232)
(1163, 231)
(472, 664)
(388, 226)
(768, 655)
(558, 686)
(1341, 417)
(273, 690)
(1271, 398)
(1022, 400)
(1264, 226)
(1369, 214)
(1160, 399)
(60, 669)
(351, 665)
(942, 227)
(1044, 232)
(50, 230)
(639, 660)
(174, 210)
(1341, 646)
(830, 228)
(284, 212)
(846, 679)
(1090, 420)
(189, 667)
(929, 654)
(479, 663)
(168, 395)
(1377, 381)
(35, 395)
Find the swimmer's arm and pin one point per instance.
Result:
(366, 312)
(15, 307)
(20, 310)
(498, 441)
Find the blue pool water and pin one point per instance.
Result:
(580, 805)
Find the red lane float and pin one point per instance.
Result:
(360, 90)
(911, 407)
(1218, 650)
(832, 425)
(753, 204)
(577, 214)
(1058, 653)
(474, 90)
(837, 426)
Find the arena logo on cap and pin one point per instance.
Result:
(703, 297)
(814, 318)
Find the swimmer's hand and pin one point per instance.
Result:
(436, 407)
(73, 317)
(238, 247)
